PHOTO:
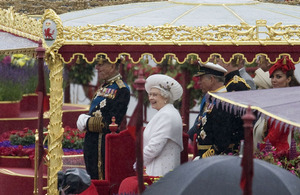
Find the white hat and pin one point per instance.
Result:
(262, 79)
(211, 68)
(165, 83)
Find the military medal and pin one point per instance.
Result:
(202, 134)
(203, 120)
(102, 103)
(107, 92)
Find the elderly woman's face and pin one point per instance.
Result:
(157, 101)
(279, 79)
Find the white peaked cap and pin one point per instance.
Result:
(211, 68)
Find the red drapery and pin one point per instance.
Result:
(181, 52)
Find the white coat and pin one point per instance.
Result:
(163, 141)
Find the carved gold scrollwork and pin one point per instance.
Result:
(51, 52)
(20, 24)
(243, 34)
(56, 93)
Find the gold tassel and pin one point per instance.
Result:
(147, 60)
(215, 60)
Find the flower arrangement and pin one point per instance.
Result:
(11, 81)
(18, 76)
(288, 160)
(21, 143)
(81, 72)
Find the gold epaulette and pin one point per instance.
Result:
(237, 79)
(120, 83)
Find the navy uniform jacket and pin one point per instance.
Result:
(110, 100)
(220, 131)
(234, 82)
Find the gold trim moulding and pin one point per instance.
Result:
(77, 105)
(11, 173)
(207, 43)
(5, 102)
(72, 156)
(20, 33)
(15, 157)
(18, 119)
(27, 51)
(75, 166)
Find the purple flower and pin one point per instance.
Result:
(6, 60)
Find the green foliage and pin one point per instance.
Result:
(72, 138)
(22, 138)
(81, 72)
(10, 91)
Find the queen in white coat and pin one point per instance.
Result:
(162, 142)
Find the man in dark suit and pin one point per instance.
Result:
(111, 99)
(217, 131)
(233, 79)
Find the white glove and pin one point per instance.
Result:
(81, 121)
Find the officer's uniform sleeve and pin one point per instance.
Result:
(194, 129)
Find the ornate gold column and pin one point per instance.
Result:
(53, 36)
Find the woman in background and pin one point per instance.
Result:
(282, 75)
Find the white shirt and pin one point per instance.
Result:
(163, 141)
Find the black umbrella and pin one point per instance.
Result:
(221, 175)
(73, 181)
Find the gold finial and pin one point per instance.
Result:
(192, 60)
(238, 60)
(101, 60)
(78, 60)
(123, 60)
(169, 60)
(260, 59)
(284, 60)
